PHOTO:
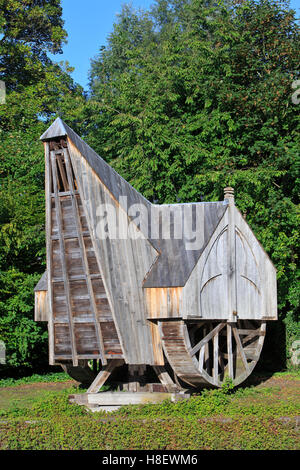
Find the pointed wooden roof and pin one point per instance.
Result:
(174, 262)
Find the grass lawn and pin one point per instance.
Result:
(35, 415)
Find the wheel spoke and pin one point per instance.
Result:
(201, 358)
(229, 351)
(240, 348)
(208, 337)
(218, 352)
(216, 358)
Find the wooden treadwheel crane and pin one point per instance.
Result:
(181, 291)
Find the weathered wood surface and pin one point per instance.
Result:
(81, 373)
(165, 302)
(41, 303)
(85, 258)
(124, 263)
(224, 289)
(80, 321)
(174, 263)
(195, 365)
(110, 401)
(103, 375)
(108, 296)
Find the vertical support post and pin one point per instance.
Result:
(232, 291)
(216, 358)
(63, 259)
(201, 358)
(49, 251)
(229, 350)
(207, 358)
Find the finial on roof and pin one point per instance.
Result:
(229, 193)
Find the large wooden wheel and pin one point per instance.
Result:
(209, 352)
(222, 350)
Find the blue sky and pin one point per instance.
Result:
(88, 23)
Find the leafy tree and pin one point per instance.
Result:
(201, 100)
(37, 90)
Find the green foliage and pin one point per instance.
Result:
(29, 30)
(35, 378)
(254, 418)
(37, 90)
(85, 433)
(216, 403)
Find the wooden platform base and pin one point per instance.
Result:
(110, 401)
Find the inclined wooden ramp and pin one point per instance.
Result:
(83, 326)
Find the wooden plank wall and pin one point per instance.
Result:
(41, 304)
(124, 264)
(164, 302)
(256, 280)
(80, 320)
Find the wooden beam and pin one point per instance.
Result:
(165, 378)
(208, 337)
(229, 351)
(103, 375)
(84, 258)
(63, 260)
(240, 348)
(232, 287)
(216, 358)
(49, 251)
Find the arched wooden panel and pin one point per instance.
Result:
(256, 280)
(248, 281)
(214, 279)
(234, 276)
